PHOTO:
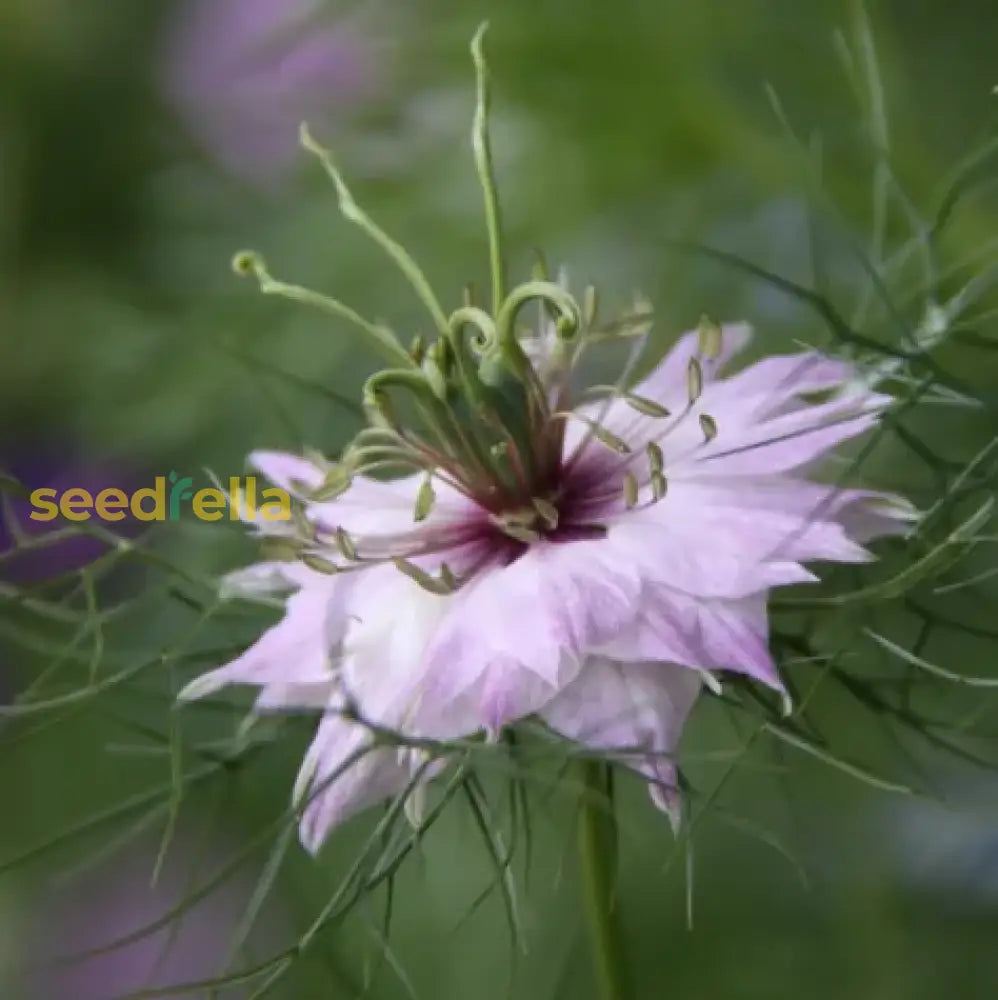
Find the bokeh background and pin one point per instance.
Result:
(141, 144)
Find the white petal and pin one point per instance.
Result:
(386, 670)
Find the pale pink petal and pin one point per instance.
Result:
(783, 443)
(719, 563)
(863, 514)
(666, 386)
(289, 472)
(386, 672)
(295, 651)
(867, 515)
(635, 711)
(734, 635)
(531, 621)
(343, 774)
(668, 381)
(698, 633)
(372, 507)
(765, 386)
(716, 520)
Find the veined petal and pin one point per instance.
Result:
(756, 535)
(708, 634)
(287, 471)
(681, 553)
(341, 775)
(635, 711)
(295, 651)
(387, 673)
(520, 631)
(863, 514)
(783, 443)
(765, 386)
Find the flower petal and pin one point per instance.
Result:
(288, 471)
(295, 651)
(633, 710)
(520, 631)
(783, 443)
(701, 558)
(387, 674)
(666, 385)
(343, 774)
(701, 633)
(373, 509)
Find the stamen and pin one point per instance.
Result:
(417, 349)
(635, 323)
(655, 457)
(445, 584)
(709, 338)
(520, 534)
(279, 549)
(599, 432)
(345, 544)
(659, 485)
(319, 564)
(709, 427)
(336, 483)
(630, 490)
(547, 511)
(646, 407)
(302, 524)
(425, 499)
(713, 684)
(694, 380)
(519, 525)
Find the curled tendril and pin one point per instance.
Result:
(415, 382)
(485, 338)
(569, 315)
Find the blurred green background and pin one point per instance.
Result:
(141, 144)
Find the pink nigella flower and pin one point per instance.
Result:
(598, 593)
(592, 564)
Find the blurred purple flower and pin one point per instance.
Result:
(243, 74)
(118, 900)
(39, 469)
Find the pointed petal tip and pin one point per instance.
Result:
(668, 799)
(200, 687)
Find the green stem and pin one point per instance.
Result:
(598, 858)
(486, 171)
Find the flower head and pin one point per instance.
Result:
(590, 561)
